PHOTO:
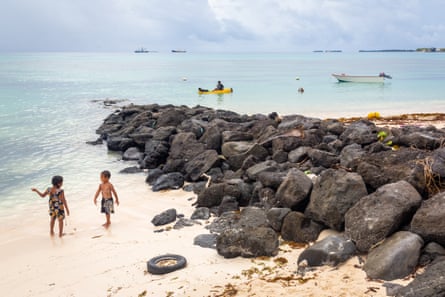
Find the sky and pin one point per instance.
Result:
(220, 25)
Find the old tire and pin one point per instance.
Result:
(166, 264)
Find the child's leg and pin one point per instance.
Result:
(51, 225)
(108, 219)
(60, 227)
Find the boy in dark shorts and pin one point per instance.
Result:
(108, 191)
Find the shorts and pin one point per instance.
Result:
(107, 206)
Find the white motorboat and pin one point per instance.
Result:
(362, 78)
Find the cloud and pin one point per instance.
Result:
(219, 25)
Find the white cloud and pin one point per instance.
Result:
(223, 25)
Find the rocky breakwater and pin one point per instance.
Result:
(295, 176)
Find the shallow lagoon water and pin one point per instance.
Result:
(47, 112)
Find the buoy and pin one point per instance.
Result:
(184, 78)
(297, 78)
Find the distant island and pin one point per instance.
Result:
(328, 51)
(430, 50)
(179, 51)
(422, 50)
(387, 51)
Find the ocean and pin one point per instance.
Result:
(48, 110)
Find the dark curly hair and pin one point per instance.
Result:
(57, 181)
(106, 173)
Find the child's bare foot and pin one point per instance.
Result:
(51, 233)
(106, 225)
(61, 235)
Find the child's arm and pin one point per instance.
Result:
(40, 193)
(65, 204)
(115, 194)
(97, 194)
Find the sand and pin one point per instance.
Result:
(92, 261)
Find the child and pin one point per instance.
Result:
(108, 191)
(57, 203)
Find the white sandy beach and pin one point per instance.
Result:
(91, 261)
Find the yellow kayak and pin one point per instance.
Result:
(205, 92)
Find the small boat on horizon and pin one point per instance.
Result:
(141, 51)
(179, 51)
(362, 78)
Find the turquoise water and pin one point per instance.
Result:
(47, 112)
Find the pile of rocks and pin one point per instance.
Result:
(375, 185)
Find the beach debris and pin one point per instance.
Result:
(143, 293)
(375, 115)
(229, 291)
(166, 264)
(166, 217)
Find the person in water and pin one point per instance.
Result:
(57, 203)
(108, 191)
(219, 86)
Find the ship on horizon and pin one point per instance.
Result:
(141, 50)
(179, 51)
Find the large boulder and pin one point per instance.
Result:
(266, 166)
(206, 240)
(156, 153)
(420, 140)
(431, 252)
(275, 217)
(185, 146)
(212, 138)
(213, 195)
(299, 154)
(361, 132)
(132, 154)
(255, 152)
(376, 216)
(173, 180)
(165, 217)
(119, 143)
(323, 158)
(228, 136)
(331, 251)
(429, 220)
(228, 203)
(296, 227)
(386, 167)
(431, 283)
(252, 217)
(201, 164)
(295, 188)
(201, 213)
(438, 162)
(247, 242)
(334, 193)
(351, 154)
(271, 179)
(171, 117)
(395, 258)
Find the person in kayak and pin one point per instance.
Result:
(219, 86)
